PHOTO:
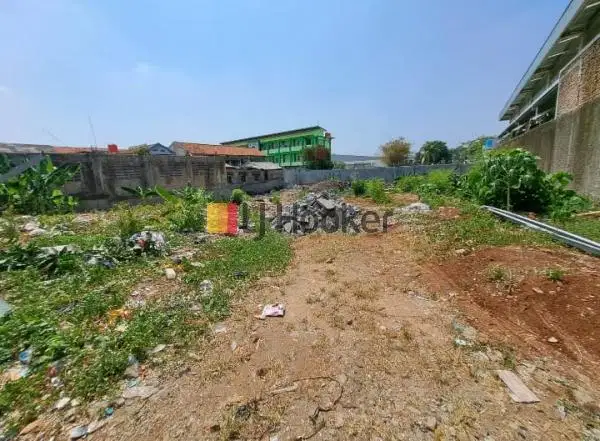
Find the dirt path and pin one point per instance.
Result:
(364, 352)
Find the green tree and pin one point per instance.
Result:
(395, 152)
(469, 151)
(434, 152)
(317, 158)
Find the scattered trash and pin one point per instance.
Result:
(219, 328)
(99, 259)
(139, 392)
(234, 346)
(148, 241)
(109, 411)
(517, 389)
(25, 356)
(240, 274)
(170, 273)
(75, 402)
(56, 382)
(133, 382)
(62, 403)
(553, 340)
(79, 432)
(157, 349)
(274, 310)
(202, 238)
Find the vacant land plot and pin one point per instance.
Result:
(390, 335)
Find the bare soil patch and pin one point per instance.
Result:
(507, 292)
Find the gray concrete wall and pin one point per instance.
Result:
(102, 176)
(298, 176)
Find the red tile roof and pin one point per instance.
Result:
(72, 149)
(196, 149)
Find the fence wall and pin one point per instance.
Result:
(101, 178)
(303, 177)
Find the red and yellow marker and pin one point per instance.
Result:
(222, 218)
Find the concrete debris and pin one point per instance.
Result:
(170, 273)
(537, 290)
(416, 207)
(552, 340)
(96, 425)
(219, 328)
(317, 212)
(62, 403)
(139, 392)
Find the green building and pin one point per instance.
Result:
(286, 148)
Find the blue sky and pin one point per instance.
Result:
(210, 71)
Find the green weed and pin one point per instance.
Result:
(555, 274)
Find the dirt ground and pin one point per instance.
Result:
(366, 351)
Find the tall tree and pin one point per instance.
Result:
(469, 151)
(395, 152)
(434, 152)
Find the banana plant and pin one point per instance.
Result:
(38, 189)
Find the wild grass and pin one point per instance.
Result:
(78, 319)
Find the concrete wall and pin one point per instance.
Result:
(571, 142)
(101, 178)
(299, 176)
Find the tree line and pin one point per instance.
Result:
(397, 152)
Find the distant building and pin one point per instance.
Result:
(554, 110)
(357, 161)
(233, 155)
(563, 74)
(286, 148)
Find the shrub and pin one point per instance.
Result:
(238, 196)
(511, 179)
(359, 187)
(409, 184)
(376, 191)
(275, 198)
(186, 208)
(395, 152)
(127, 223)
(38, 189)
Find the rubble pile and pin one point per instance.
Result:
(316, 212)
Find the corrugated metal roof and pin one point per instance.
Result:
(262, 166)
(287, 132)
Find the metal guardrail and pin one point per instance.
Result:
(582, 243)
